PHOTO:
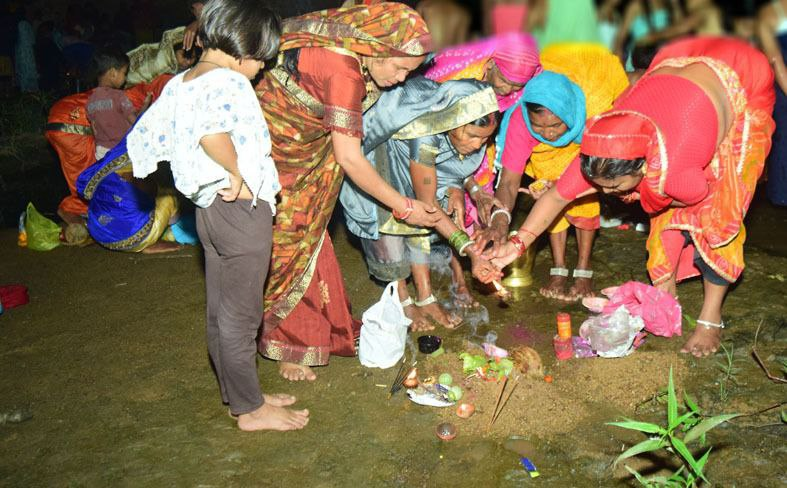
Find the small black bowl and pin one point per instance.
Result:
(428, 344)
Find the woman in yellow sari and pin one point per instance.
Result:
(540, 136)
(331, 66)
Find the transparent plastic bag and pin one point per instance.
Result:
(612, 336)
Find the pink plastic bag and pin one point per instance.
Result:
(659, 310)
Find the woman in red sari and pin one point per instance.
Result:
(688, 141)
(331, 66)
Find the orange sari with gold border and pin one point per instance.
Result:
(307, 315)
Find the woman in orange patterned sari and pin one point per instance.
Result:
(688, 141)
(331, 66)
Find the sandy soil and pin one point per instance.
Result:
(109, 359)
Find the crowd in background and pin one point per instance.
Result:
(50, 49)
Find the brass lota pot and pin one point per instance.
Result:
(520, 271)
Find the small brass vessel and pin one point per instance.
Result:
(520, 271)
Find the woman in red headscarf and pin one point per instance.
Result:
(688, 141)
(331, 67)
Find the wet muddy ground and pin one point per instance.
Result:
(109, 359)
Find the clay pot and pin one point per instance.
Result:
(446, 431)
(465, 410)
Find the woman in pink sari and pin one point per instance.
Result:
(506, 62)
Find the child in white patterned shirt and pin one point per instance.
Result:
(209, 125)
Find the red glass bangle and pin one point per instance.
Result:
(517, 242)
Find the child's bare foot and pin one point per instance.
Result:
(162, 247)
(462, 296)
(556, 288)
(279, 399)
(275, 399)
(296, 372)
(272, 417)
(420, 322)
(703, 342)
(432, 310)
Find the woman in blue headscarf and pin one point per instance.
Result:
(540, 136)
(425, 139)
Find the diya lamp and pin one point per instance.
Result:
(411, 380)
(446, 431)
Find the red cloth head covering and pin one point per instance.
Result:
(666, 119)
(516, 55)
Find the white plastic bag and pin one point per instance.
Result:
(384, 331)
(612, 336)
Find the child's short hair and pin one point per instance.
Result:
(107, 57)
(240, 28)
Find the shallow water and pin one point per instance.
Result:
(110, 359)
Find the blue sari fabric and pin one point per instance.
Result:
(777, 160)
(410, 123)
(120, 215)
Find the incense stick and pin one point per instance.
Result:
(398, 378)
(499, 396)
(510, 392)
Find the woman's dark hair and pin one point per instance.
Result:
(240, 28)
(290, 62)
(535, 107)
(486, 120)
(108, 57)
(609, 168)
(642, 54)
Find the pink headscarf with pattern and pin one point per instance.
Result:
(514, 53)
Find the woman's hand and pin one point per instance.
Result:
(537, 188)
(484, 270)
(630, 197)
(504, 256)
(190, 35)
(495, 233)
(456, 206)
(423, 215)
(486, 202)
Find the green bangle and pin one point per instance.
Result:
(459, 240)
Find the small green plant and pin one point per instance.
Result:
(729, 372)
(682, 430)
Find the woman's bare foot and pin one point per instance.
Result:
(434, 311)
(162, 247)
(296, 372)
(583, 287)
(420, 322)
(556, 288)
(703, 342)
(462, 296)
(272, 417)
